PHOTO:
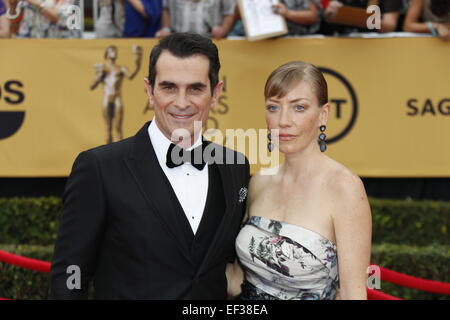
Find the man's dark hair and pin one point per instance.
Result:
(184, 45)
(440, 8)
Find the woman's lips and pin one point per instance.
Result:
(286, 137)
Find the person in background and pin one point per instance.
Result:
(142, 18)
(429, 16)
(111, 18)
(390, 13)
(43, 19)
(210, 18)
(4, 22)
(302, 16)
(238, 29)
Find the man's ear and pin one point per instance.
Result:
(149, 90)
(217, 93)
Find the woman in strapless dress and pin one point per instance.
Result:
(307, 232)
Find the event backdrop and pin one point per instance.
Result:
(390, 99)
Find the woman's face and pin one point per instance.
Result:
(298, 117)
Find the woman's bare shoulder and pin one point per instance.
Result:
(346, 188)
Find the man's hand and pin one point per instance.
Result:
(332, 9)
(218, 32)
(281, 9)
(162, 33)
(443, 31)
(35, 3)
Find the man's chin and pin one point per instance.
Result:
(184, 131)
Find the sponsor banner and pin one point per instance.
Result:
(390, 100)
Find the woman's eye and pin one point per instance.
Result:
(272, 108)
(299, 108)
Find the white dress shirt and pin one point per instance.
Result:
(190, 184)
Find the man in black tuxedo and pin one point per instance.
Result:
(136, 220)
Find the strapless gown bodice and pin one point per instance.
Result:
(286, 261)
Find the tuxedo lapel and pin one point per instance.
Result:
(229, 185)
(156, 188)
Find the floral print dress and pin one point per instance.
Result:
(286, 261)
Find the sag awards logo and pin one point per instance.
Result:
(111, 76)
(11, 96)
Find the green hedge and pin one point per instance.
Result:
(431, 262)
(421, 223)
(18, 283)
(29, 220)
(409, 236)
(410, 222)
(427, 262)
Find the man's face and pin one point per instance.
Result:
(182, 94)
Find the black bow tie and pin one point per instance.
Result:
(176, 156)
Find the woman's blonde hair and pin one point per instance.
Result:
(285, 77)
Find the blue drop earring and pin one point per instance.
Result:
(270, 144)
(322, 137)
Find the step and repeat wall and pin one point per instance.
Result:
(389, 98)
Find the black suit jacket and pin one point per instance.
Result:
(119, 227)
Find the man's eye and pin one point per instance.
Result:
(169, 89)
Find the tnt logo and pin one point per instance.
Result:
(343, 105)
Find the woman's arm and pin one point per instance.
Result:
(221, 31)
(235, 277)
(412, 18)
(4, 27)
(47, 12)
(389, 21)
(165, 25)
(353, 229)
(411, 23)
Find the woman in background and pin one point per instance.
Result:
(43, 19)
(429, 16)
(4, 22)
